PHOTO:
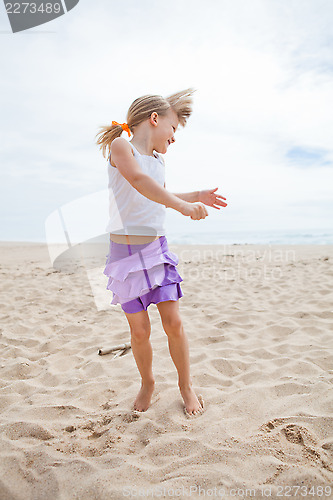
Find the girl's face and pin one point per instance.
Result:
(165, 130)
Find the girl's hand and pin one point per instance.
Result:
(194, 210)
(208, 197)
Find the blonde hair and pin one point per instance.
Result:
(141, 109)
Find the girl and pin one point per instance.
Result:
(140, 267)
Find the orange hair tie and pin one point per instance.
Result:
(124, 126)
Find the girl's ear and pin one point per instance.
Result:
(154, 118)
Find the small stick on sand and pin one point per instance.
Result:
(121, 347)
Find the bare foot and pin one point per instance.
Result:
(192, 404)
(143, 398)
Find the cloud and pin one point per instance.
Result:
(264, 77)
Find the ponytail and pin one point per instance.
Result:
(106, 135)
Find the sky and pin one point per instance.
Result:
(261, 128)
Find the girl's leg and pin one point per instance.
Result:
(143, 354)
(179, 351)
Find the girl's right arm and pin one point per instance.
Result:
(129, 168)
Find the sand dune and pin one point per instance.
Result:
(260, 325)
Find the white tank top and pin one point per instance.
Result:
(130, 212)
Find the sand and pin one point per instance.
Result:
(260, 325)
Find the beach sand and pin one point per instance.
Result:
(259, 320)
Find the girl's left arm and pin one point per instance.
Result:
(206, 196)
(192, 197)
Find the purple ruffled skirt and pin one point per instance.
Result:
(140, 275)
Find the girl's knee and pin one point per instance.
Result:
(173, 323)
(140, 334)
(139, 325)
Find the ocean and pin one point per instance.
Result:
(218, 237)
